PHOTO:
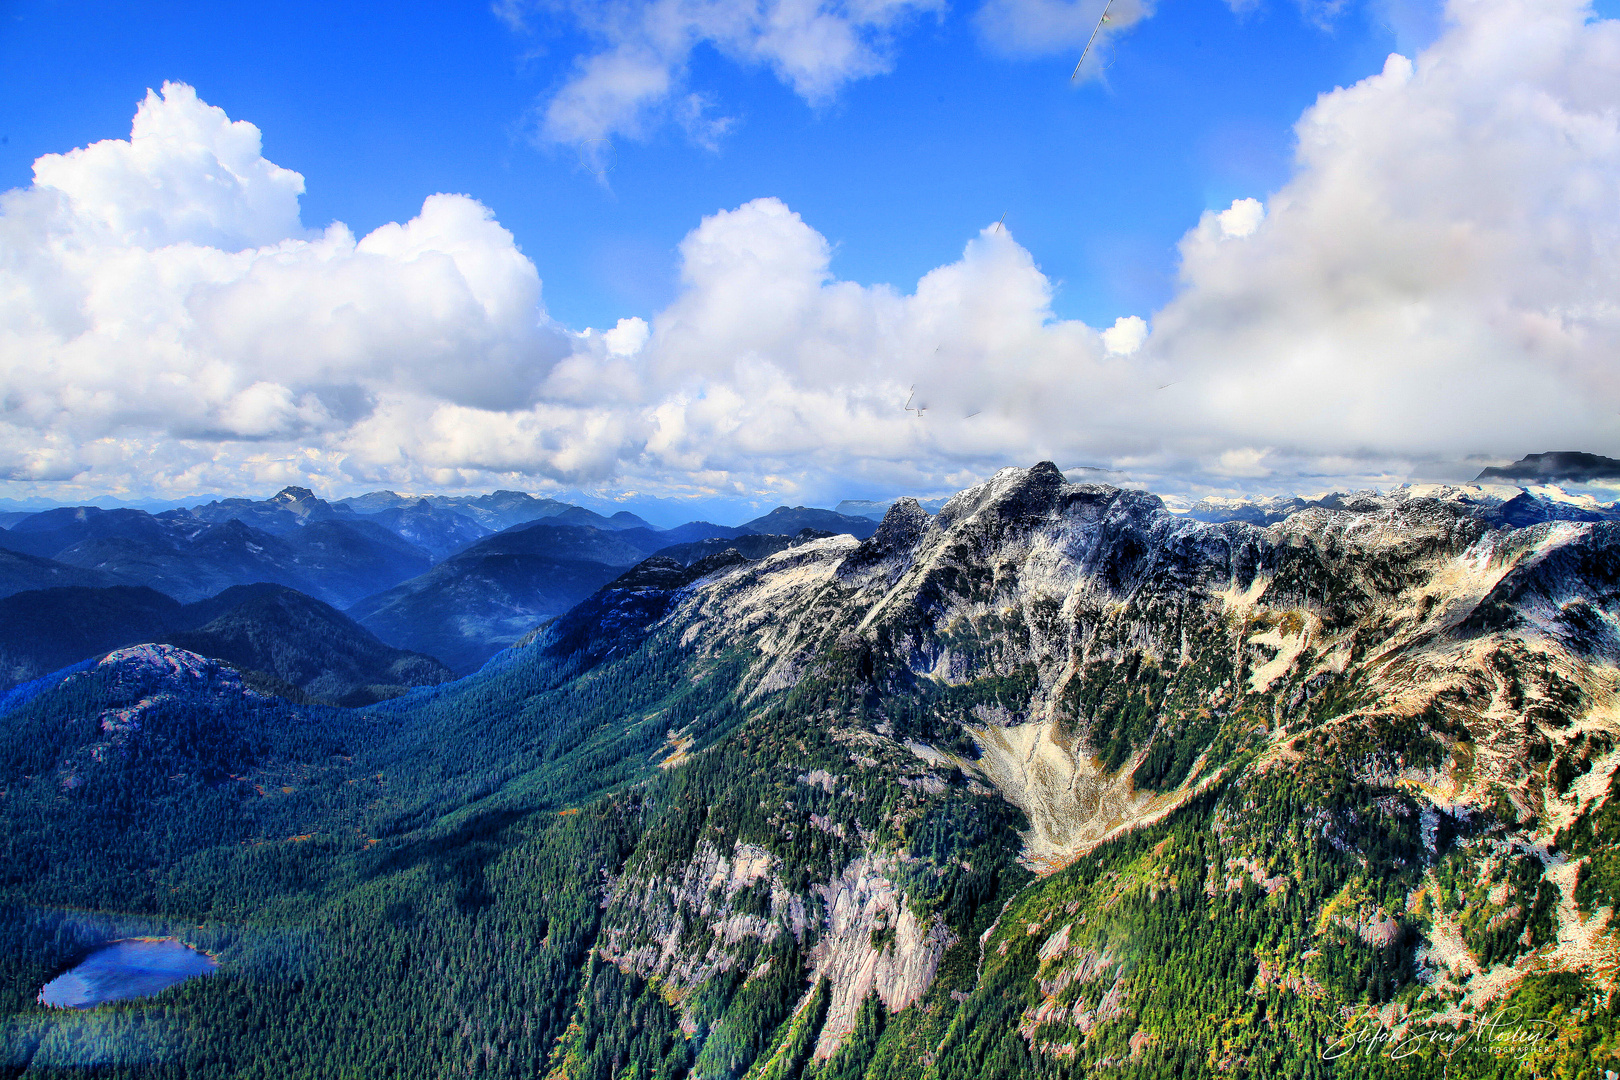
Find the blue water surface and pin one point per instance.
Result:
(126, 969)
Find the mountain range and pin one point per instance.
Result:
(278, 638)
(1568, 466)
(457, 578)
(191, 558)
(1054, 782)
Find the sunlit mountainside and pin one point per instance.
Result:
(1054, 781)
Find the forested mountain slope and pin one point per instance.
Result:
(1052, 783)
(282, 640)
(305, 644)
(496, 590)
(21, 573)
(42, 630)
(437, 531)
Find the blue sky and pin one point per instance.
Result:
(380, 105)
(778, 217)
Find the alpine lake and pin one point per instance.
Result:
(133, 968)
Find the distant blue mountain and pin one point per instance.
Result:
(336, 559)
(1570, 466)
(790, 520)
(299, 645)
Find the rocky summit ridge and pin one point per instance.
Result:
(1052, 782)
(1100, 663)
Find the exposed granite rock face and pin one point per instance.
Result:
(146, 677)
(156, 669)
(146, 687)
(886, 552)
(872, 941)
(688, 930)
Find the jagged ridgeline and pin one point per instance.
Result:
(1051, 783)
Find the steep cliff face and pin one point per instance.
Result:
(873, 943)
(1403, 687)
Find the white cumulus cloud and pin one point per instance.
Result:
(1126, 335)
(165, 284)
(187, 174)
(1439, 279)
(638, 74)
(1241, 218)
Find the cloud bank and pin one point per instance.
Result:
(1440, 279)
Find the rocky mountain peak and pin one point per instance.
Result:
(293, 495)
(1555, 465)
(1037, 766)
(156, 668)
(902, 523)
(902, 529)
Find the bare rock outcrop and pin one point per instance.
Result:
(872, 942)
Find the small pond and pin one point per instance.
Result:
(139, 967)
